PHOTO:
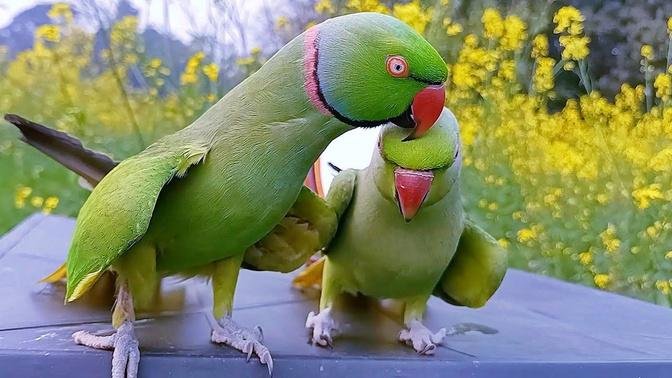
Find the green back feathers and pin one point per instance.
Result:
(436, 149)
(112, 220)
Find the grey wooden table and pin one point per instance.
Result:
(545, 328)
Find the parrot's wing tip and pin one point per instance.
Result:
(57, 275)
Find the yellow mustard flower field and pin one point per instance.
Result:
(577, 188)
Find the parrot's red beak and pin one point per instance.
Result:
(426, 109)
(411, 189)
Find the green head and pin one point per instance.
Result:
(368, 69)
(420, 172)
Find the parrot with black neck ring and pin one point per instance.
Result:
(217, 195)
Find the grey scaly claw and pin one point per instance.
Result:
(322, 325)
(421, 338)
(428, 349)
(264, 356)
(246, 340)
(126, 356)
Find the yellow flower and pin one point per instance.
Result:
(367, 6)
(493, 23)
(189, 76)
(451, 27)
(647, 52)
(37, 201)
(669, 26)
(602, 280)
(413, 14)
(526, 235)
(514, 33)
(644, 195)
(471, 41)
(503, 243)
(652, 232)
(663, 286)
(568, 19)
(543, 79)
(245, 61)
(281, 22)
(60, 11)
(574, 47)
(663, 85)
(124, 31)
(20, 196)
(539, 46)
(609, 239)
(662, 161)
(51, 33)
(668, 255)
(324, 6)
(50, 203)
(155, 63)
(211, 71)
(585, 258)
(507, 70)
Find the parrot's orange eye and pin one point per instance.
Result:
(397, 66)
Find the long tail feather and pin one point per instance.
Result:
(65, 149)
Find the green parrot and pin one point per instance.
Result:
(226, 191)
(403, 235)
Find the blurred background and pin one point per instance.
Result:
(564, 107)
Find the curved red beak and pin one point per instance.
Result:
(411, 189)
(426, 109)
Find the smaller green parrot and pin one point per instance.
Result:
(403, 235)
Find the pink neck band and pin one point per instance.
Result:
(311, 82)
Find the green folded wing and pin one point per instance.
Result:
(307, 228)
(117, 213)
(341, 190)
(476, 270)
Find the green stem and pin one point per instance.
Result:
(530, 88)
(648, 91)
(125, 98)
(669, 52)
(583, 75)
(558, 66)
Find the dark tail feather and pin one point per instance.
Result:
(335, 167)
(65, 149)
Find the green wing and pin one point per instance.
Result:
(307, 228)
(117, 213)
(341, 190)
(476, 270)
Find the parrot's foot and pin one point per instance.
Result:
(421, 338)
(322, 325)
(126, 355)
(244, 339)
